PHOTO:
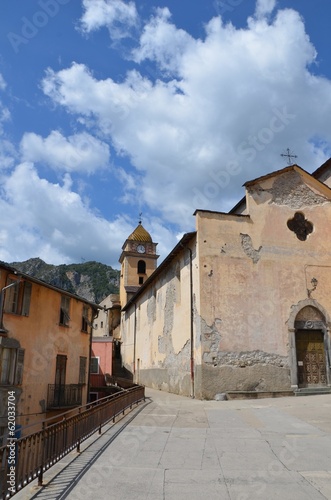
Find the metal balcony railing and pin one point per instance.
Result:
(64, 396)
(25, 459)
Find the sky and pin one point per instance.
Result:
(112, 109)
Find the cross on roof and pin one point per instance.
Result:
(288, 155)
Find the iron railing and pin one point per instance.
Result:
(27, 458)
(64, 396)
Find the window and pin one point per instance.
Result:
(94, 365)
(17, 297)
(85, 320)
(11, 366)
(60, 370)
(82, 370)
(141, 280)
(64, 311)
(141, 269)
(101, 324)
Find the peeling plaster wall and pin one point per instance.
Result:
(253, 271)
(163, 344)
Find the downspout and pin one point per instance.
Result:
(134, 341)
(191, 323)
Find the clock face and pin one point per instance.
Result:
(141, 249)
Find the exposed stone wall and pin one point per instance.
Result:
(257, 377)
(287, 190)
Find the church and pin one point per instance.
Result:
(241, 305)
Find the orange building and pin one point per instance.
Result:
(45, 345)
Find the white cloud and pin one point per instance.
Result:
(118, 16)
(3, 84)
(53, 223)
(77, 153)
(163, 42)
(264, 7)
(229, 105)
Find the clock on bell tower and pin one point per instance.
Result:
(138, 261)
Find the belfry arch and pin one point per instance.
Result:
(309, 342)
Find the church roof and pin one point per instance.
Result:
(323, 170)
(140, 234)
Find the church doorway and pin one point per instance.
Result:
(311, 358)
(310, 346)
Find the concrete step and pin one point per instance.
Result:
(311, 391)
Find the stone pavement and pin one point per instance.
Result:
(176, 448)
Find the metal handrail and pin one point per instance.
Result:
(31, 455)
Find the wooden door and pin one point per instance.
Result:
(310, 358)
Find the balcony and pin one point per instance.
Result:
(64, 396)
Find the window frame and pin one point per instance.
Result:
(85, 320)
(82, 370)
(98, 365)
(64, 311)
(17, 298)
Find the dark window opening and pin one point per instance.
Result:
(300, 226)
(141, 267)
(141, 280)
(64, 311)
(85, 320)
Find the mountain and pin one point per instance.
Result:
(92, 280)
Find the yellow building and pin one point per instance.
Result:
(243, 304)
(45, 341)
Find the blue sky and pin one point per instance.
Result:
(112, 108)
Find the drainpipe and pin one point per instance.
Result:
(134, 341)
(191, 323)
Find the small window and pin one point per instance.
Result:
(17, 297)
(94, 365)
(141, 269)
(7, 366)
(101, 324)
(85, 320)
(82, 370)
(64, 311)
(141, 280)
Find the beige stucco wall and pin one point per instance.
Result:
(253, 271)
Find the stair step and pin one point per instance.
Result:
(312, 391)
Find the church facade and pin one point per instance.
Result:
(242, 304)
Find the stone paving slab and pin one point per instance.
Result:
(176, 448)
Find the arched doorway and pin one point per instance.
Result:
(309, 339)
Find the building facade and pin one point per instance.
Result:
(243, 304)
(45, 344)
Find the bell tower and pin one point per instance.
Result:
(138, 261)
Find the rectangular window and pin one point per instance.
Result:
(85, 320)
(60, 370)
(19, 367)
(7, 365)
(64, 311)
(94, 365)
(82, 370)
(17, 297)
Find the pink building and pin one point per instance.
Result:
(101, 367)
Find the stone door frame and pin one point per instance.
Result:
(294, 325)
